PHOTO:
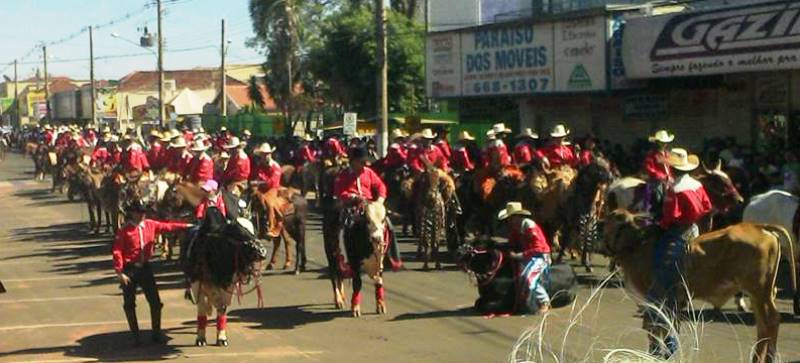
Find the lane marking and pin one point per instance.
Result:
(66, 298)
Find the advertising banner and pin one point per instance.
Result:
(507, 60)
(757, 37)
(443, 65)
(580, 54)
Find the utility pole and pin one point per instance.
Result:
(223, 92)
(16, 95)
(46, 86)
(91, 76)
(161, 111)
(383, 75)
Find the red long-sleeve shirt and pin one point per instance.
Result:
(655, 164)
(202, 169)
(101, 156)
(238, 168)
(434, 155)
(528, 239)
(443, 145)
(305, 155)
(396, 156)
(155, 155)
(134, 242)
(334, 147)
(585, 157)
(497, 147)
(685, 203)
(523, 153)
(367, 184)
(200, 210)
(559, 155)
(269, 174)
(461, 159)
(136, 160)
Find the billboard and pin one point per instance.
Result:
(443, 65)
(580, 54)
(756, 37)
(514, 59)
(519, 59)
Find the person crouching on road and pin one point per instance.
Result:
(529, 247)
(132, 249)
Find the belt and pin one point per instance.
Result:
(136, 264)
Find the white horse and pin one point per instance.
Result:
(780, 208)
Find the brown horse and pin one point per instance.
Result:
(435, 189)
(290, 215)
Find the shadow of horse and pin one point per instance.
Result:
(105, 347)
(457, 313)
(287, 317)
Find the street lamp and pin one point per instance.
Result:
(116, 35)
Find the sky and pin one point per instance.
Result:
(191, 29)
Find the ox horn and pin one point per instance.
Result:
(719, 165)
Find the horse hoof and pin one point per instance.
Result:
(222, 342)
(270, 267)
(200, 342)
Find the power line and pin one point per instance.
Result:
(115, 56)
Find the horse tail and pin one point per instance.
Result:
(784, 241)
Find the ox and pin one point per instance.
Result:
(716, 265)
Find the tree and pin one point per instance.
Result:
(345, 60)
(254, 93)
(405, 7)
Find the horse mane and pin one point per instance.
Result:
(191, 193)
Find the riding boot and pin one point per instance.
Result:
(133, 324)
(155, 319)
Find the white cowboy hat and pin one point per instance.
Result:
(247, 132)
(427, 134)
(662, 136)
(528, 133)
(199, 145)
(559, 131)
(500, 128)
(233, 143)
(156, 134)
(179, 142)
(134, 146)
(464, 135)
(264, 148)
(210, 185)
(114, 138)
(397, 133)
(307, 137)
(224, 155)
(681, 159)
(223, 129)
(512, 208)
(491, 135)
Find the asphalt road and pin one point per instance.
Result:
(63, 305)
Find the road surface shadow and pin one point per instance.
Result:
(457, 313)
(286, 317)
(732, 317)
(106, 347)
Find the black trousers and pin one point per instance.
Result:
(140, 276)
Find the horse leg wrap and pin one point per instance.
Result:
(380, 293)
(356, 300)
(202, 322)
(222, 322)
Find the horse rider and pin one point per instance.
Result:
(442, 143)
(266, 177)
(525, 149)
(461, 160)
(588, 152)
(155, 150)
(90, 135)
(496, 154)
(202, 168)
(305, 153)
(237, 171)
(187, 134)
(222, 138)
(531, 250)
(180, 158)
(396, 154)
(132, 249)
(685, 203)
(428, 153)
(134, 160)
(333, 150)
(100, 155)
(557, 152)
(358, 183)
(658, 170)
(212, 199)
(49, 135)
